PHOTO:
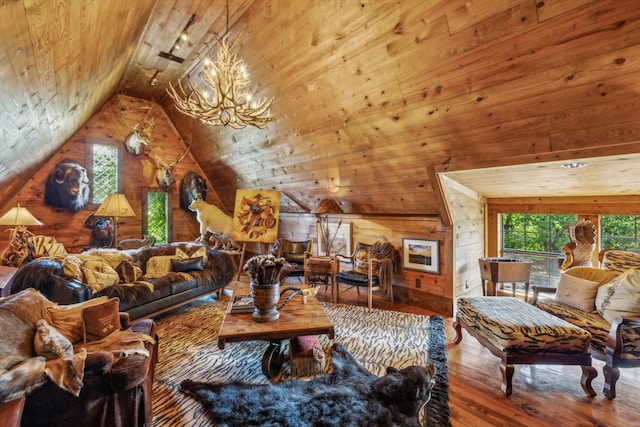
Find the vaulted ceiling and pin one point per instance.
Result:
(373, 98)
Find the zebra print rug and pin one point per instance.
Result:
(380, 338)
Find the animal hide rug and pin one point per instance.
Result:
(350, 396)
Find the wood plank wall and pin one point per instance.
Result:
(436, 290)
(467, 210)
(111, 126)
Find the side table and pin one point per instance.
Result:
(321, 266)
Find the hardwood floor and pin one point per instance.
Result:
(543, 395)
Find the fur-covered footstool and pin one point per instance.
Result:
(306, 356)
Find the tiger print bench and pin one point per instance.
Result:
(520, 333)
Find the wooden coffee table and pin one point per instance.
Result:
(296, 319)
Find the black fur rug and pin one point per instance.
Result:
(349, 396)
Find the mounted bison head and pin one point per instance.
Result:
(67, 186)
(192, 187)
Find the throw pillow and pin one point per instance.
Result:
(620, 261)
(200, 252)
(620, 297)
(128, 272)
(101, 320)
(186, 265)
(19, 314)
(159, 266)
(162, 250)
(49, 343)
(67, 319)
(577, 292)
(362, 265)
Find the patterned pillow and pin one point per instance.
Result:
(620, 297)
(620, 261)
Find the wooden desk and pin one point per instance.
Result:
(296, 319)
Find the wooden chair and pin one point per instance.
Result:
(293, 254)
(372, 266)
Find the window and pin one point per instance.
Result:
(538, 238)
(619, 232)
(155, 216)
(105, 171)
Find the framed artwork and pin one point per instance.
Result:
(256, 216)
(339, 237)
(421, 255)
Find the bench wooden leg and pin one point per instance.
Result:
(458, 329)
(507, 378)
(588, 374)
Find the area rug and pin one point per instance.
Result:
(380, 338)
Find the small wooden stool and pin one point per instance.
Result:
(306, 356)
(520, 333)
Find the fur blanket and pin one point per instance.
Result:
(350, 396)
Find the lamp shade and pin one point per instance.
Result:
(19, 216)
(115, 205)
(328, 206)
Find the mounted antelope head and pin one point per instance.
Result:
(165, 173)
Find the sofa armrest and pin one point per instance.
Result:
(98, 363)
(614, 339)
(540, 289)
(132, 370)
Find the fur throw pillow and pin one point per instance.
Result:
(49, 343)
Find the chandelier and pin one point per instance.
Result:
(224, 97)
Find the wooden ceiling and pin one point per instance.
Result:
(373, 98)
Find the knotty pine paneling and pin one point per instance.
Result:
(111, 126)
(436, 291)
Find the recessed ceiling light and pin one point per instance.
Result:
(574, 165)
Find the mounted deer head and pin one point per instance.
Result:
(165, 173)
(137, 142)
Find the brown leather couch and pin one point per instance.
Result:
(170, 291)
(115, 391)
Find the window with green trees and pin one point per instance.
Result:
(105, 171)
(619, 232)
(538, 238)
(156, 216)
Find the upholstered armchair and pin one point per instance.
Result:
(371, 266)
(293, 254)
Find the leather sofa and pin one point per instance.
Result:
(145, 296)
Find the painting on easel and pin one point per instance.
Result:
(256, 216)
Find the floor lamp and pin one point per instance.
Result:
(115, 206)
(18, 249)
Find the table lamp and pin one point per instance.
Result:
(115, 206)
(18, 249)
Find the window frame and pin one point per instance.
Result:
(89, 160)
